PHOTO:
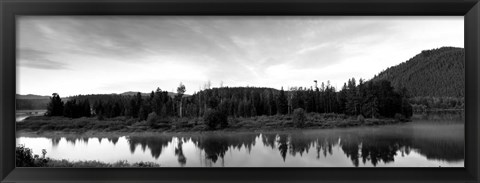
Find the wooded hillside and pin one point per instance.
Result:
(433, 73)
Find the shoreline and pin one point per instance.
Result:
(39, 125)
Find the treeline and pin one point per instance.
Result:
(423, 104)
(109, 106)
(370, 99)
(75, 109)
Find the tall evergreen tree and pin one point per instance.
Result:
(282, 103)
(55, 106)
(180, 91)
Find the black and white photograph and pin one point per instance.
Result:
(240, 91)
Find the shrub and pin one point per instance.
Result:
(342, 116)
(201, 127)
(407, 110)
(400, 117)
(24, 158)
(145, 164)
(361, 118)
(213, 118)
(131, 121)
(330, 115)
(100, 117)
(98, 164)
(152, 119)
(299, 117)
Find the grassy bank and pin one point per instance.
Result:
(26, 158)
(98, 164)
(121, 124)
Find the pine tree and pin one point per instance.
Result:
(180, 91)
(282, 103)
(55, 106)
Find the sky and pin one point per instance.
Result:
(73, 55)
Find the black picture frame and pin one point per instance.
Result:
(9, 9)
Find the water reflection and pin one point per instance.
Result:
(155, 144)
(372, 146)
(179, 153)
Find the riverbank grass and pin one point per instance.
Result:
(123, 124)
(26, 158)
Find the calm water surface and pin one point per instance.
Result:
(428, 141)
(22, 114)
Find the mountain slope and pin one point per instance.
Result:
(436, 73)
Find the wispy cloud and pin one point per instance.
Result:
(38, 59)
(118, 52)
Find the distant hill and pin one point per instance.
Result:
(31, 102)
(434, 73)
(242, 90)
(31, 96)
(132, 93)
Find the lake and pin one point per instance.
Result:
(430, 140)
(22, 114)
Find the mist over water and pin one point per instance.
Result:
(428, 141)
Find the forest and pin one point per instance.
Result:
(371, 99)
(433, 73)
(435, 79)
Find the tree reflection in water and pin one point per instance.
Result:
(217, 145)
(114, 140)
(155, 143)
(325, 146)
(179, 153)
(55, 141)
(359, 146)
(283, 145)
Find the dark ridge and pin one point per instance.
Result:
(435, 73)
